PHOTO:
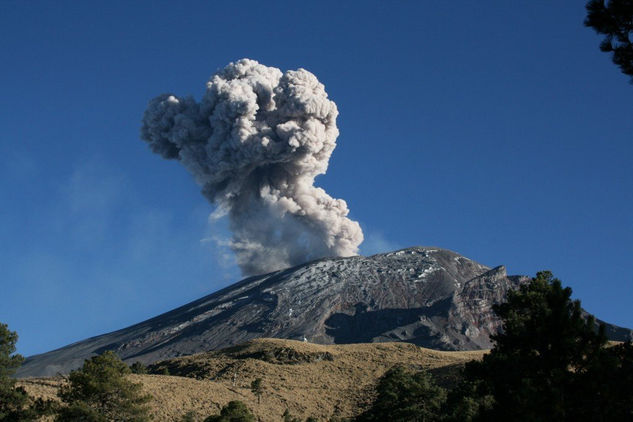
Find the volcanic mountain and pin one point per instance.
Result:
(427, 296)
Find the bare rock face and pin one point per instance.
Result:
(427, 296)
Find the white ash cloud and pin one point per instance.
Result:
(255, 143)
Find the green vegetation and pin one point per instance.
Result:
(405, 396)
(614, 19)
(99, 391)
(257, 389)
(15, 403)
(12, 400)
(138, 368)
(549, 363)
(287, 417)
(234, 411)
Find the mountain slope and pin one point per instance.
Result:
(323, 381)
(427, 296)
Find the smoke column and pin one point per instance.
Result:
(255, 143)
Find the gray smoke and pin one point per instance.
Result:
(255, 143)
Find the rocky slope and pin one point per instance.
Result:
(427, 296)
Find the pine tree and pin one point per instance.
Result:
(100, 391)
(614, 19)
(15, 403)
(548, 363)
(405, 396)
(604, 390)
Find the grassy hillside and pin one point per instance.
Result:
(308, 379)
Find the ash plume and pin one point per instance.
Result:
(255, 143)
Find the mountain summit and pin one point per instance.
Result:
(427, 296)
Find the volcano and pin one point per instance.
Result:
(431, 297)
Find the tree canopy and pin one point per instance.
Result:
(550, 362)
(257, 388)
(15, 403)
(234, 411)
(99, 391)
(405, 396)
(614, 19)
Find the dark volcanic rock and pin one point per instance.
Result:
(431, 297)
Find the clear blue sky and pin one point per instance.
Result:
(495, 129)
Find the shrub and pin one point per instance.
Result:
(234, 411)
(138, 368)
(405, 396)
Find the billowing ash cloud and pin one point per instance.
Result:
(255, 143)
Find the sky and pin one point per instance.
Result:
(494, 129)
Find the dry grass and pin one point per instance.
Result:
(308, 379)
